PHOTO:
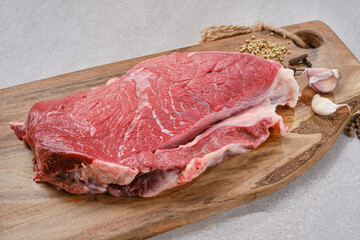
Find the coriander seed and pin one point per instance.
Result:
(265, 49)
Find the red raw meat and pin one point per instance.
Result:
(158, 126)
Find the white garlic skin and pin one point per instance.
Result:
(324, 106)
(336, 72)
(322, 79)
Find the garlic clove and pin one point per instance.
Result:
(322, 79)
(324, 106)
(325, 85)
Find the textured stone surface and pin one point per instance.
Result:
(40, 39)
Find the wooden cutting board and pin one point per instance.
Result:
(38, 211)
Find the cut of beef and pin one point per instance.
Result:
(160, 125)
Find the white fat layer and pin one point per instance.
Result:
(285, 90)
(110, 172)
(97, 176)
(190, 54)
(195, 168)
(199, 165)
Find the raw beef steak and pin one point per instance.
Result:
(158, 126)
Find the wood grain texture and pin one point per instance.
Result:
(38, 211)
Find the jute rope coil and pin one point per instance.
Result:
(213, 33)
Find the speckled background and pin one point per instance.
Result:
(40, 39)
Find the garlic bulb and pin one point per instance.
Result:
(322, 79)
(324, 106)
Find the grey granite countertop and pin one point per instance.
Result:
(40, 39)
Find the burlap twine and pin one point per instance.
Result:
(213, 33)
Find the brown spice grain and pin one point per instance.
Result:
(265, 49)
(307, 63)
(298, 59)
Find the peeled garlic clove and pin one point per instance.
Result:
(322, 79)
(324, 106)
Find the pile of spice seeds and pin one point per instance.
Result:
(264, 48)
(354, 123)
